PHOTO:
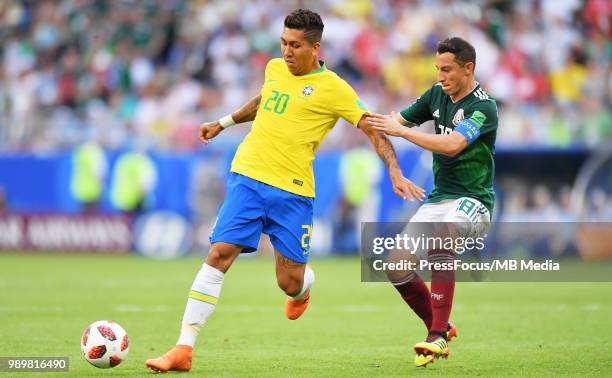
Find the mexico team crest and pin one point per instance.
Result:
(307, 91)
(458, 117)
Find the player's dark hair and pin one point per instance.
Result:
(464, 52)
(308, 21)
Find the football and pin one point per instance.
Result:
(104, 344)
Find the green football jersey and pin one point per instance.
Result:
(471, 172)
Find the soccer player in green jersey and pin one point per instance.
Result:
(463, 147)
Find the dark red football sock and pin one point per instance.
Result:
(416, 294)
(442, 291)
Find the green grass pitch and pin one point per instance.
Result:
(350, 329)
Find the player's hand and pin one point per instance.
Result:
(406, 189)
(209, 130)
(386, 123)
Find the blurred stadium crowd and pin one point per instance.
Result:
(148, 71)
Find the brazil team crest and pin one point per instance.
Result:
(307, 91)
(458, 117)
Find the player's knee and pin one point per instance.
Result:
(221, 257)
(216, 260)
(289, 284)
(400, 264)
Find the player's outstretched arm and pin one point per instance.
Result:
(246, 113)
(398, 117)
(403, 187)
(449, 145)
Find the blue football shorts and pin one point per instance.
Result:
(252, 208)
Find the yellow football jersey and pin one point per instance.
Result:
(294, 116)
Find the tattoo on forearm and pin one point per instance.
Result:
(248, 111)
(385, 150)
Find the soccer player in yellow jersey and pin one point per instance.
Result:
(271, 185)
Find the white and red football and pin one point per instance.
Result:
(104, 344)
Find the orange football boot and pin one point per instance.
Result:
(451, 331)
(176, 359)
(294, 308)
